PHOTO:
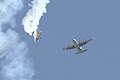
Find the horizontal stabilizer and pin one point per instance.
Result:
(81, 51)
(84, 50)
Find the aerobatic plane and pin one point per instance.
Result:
(78, 45)
(37, 36)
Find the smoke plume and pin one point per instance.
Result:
(14, 62)
(31, 21)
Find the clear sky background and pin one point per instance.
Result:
(80, 19)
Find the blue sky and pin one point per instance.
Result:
(80, 19)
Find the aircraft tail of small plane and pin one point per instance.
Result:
(81, 51)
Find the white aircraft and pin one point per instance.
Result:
(78, 45)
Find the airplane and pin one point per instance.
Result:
(37, 36)
(78, 46)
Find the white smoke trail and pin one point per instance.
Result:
(14, 63)
(31, 21)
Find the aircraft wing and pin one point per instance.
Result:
(84, 42)
(69, 47)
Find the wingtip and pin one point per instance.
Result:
(91, 39)
(64, 49)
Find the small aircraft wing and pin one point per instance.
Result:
(84, 42)
(69, 47)
(37, 38)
